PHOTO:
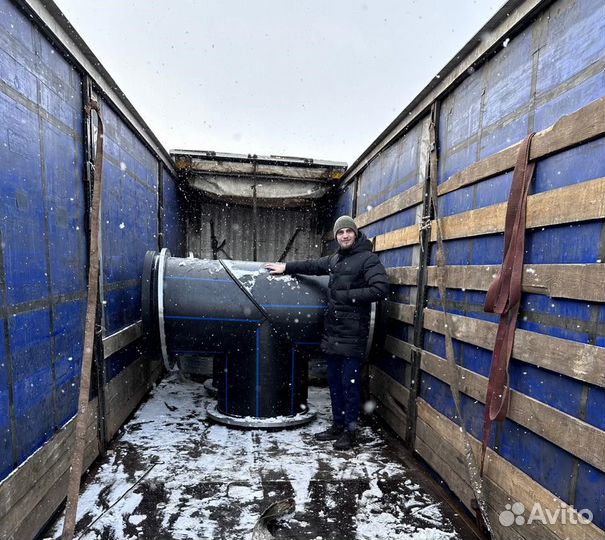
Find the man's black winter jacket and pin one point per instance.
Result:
(357, 278)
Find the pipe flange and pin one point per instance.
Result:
(252, 422)
(168, 362)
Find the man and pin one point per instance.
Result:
(357, 278)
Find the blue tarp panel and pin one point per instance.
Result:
(172, 222)
(542, 74)
(130, 220)
(344, 203)
(43, 244)
(492, 109)
(394, 171)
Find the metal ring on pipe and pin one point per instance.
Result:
(161, 268)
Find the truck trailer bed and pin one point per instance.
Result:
(171, 473)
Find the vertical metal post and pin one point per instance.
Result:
(355, 197)
(254, 215)
(421, 280)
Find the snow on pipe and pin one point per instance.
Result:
(253, 322)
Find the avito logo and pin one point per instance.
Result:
(565, 514)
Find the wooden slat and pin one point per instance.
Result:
(451, 466)
(27, 488)
(401, 312)
(399, 348)
(509, 478)
(385, 383)
(570, 130)
(399, 202)
(51, 499)
(13, 488)
(393, 398)
(125, 391)
(571, 204)
(395, 418)
(407, 236)
(577, 360)
(577, 281)
(569, 433)
(403, 275)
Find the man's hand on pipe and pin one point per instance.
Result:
(276, 268)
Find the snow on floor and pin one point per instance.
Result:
(171, 474)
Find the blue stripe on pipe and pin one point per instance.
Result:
(258, 372)
(292, 380)
(181, 278)
(226, 383)
(210, 319)
(197, 352)
(276, 306)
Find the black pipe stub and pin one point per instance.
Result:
(253, 422)
(255, 325)
(210, 388)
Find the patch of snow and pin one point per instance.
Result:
(206, 472)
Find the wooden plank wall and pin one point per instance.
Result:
(542, 432)
(32, 493)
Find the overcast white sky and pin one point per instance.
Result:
(312, 78)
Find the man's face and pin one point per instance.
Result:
(345, 238)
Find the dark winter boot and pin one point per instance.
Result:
(346, 441)
(330, 434)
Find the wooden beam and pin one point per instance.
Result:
(28, 487)
(403, 275)
(401, 349)
(392, 396)
(394, 418)
(517, 484)
(571, 130)
(451, 466)
(576, 281)
(51, 499)
(255, 168)
(399, 202)
(401, 312)
(571, 358)
(385, 383)
(125, 391)
(408, 236)
(567, 432)
(543, 210)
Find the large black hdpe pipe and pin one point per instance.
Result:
(235, 310)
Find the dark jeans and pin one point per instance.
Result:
(344, 378)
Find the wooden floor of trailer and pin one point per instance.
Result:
(171, 473)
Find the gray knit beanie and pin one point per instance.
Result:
(344, 222)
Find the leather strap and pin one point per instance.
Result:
(77, 459)
(504, 294)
